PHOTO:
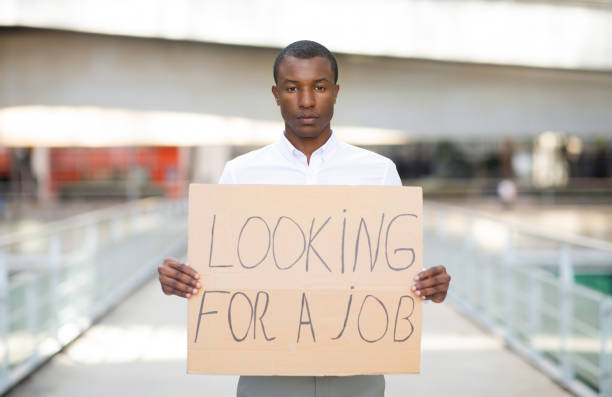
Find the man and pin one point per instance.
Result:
(308, 153)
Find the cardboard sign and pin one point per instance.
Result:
(304, 280)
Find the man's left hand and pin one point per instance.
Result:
(432, 284)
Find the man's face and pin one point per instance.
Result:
(306, 94)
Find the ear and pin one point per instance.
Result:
(336, 89)
(275, 93)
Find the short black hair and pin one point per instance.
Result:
(305, 49)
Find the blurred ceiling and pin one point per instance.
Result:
(551, 34)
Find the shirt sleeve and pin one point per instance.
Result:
(226, 175)
(391, 177)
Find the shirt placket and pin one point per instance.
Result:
(312, 170)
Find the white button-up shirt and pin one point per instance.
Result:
(334, 163)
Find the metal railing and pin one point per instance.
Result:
(56, 281)
(518, 282)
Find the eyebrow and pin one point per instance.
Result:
(297, 82)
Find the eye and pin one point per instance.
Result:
(320, 88)
(291, 89)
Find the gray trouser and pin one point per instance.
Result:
(311, 386)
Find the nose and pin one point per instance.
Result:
(306, 99)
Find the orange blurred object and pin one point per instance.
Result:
(158, 165)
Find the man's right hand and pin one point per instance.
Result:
(178, 279)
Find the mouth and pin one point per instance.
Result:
(308, 118)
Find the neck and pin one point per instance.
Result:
(308, 145)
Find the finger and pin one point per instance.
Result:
(168, 284)
(442, 279)
(182, 277)
(172, 283)
(432, 271)
(181, 267)
(185, 268)
(428, 292)
(420, 295)
(439, 297)
(435, 297)
(172, 291)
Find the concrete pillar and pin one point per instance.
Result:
(41, 169)
(209, 162)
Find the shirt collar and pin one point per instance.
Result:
(290, 151)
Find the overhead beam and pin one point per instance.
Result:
(549, 34)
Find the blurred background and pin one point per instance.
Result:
(500, 109)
